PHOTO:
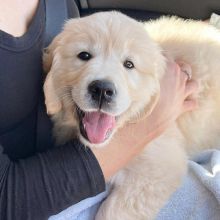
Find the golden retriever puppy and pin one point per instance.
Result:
(104, 71)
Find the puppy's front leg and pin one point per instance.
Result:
(142, 189)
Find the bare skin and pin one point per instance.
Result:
(16, 15)
(123, 148)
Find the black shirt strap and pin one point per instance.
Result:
(57, 12)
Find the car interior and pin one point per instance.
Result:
(142, 10)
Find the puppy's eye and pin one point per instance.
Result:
(128, 64)
(84, 56)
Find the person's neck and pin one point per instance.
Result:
(16, 15)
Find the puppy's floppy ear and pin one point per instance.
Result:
(48, 53)
(151, 105)
(52, 101)
(153, 101)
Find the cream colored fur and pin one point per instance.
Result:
(143, 187)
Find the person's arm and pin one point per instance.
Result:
(47, 183)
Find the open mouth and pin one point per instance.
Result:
(96, 126)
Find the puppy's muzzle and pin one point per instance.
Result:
(102, 92)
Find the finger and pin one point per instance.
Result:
(181, 77)
(191, 87)
(184, 76)
(190, 105)
(170, 62)
(171, 66)
(186, 69)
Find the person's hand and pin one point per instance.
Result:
(130, 140)
(175, 96)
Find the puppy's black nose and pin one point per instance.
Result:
(102, 91)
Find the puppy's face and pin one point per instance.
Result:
(103, 70)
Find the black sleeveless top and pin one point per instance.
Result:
(36, 185)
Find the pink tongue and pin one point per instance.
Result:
(97, 125)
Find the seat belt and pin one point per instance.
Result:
(57, 12)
